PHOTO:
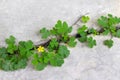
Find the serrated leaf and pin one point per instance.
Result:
(118, 33)
(64, 38)
(70, 29)
(6, 65)
(10, 40)
(22, 63)
(93, 31)
(35, 59)
(3, 53)
(53, 44)
(11, 46)
(61, 28)
(40, 66)
(103, 21)
(91, 42)
(25, 48)
(108, 43)
(38, 61)
(45, 33)
(109, 24)
(83, 39)
(29, 44)
(72, 42)
(55, 59)
(35, 62)
(82, 29)
(106, 32)
(83, 33)
(83, 36)
(63, 51)
(85, 19)
(3, 50)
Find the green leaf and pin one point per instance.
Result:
(35, 59)
(3, 51)
(103, 22)
(45, 33)
(38, 61)
(65, 38)
(106, 32)
(91, 42)
(13, 62)
(113, 20)
(93, 31)
(10, 40)
(55, 59)
(83, 33)
(109, 24)
(72, 42)
(70, 29)
(61, 28)
(83, 39)
(118, 33)
(11, 47)
(108, 43)
(53, 44)
(85, 19)
(63, 51)
(83, 36)
(6, 65)
(25, 48)
(40, 66)
(53, 32)
(82, 29)
(35, 62)
(22, 63)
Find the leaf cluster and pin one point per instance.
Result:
(61, 32)
(55, 52)
(53, 58)
(83, 32)
(108, 24)
(15, 56)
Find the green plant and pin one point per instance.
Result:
(93, 31)
(72, 42)
(108, 24)
(45, 33)
(54, 58)
(11, 46)
(108, 43)
(85, 19)
(14, 56)
(91, 42)
(83, 32)
(53, 52)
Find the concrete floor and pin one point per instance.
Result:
(24, 18)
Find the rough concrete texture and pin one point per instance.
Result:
(24, 18)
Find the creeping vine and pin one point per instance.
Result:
(53, 52)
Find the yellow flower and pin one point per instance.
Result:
(41, 49)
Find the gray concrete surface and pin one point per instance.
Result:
(24, 18)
